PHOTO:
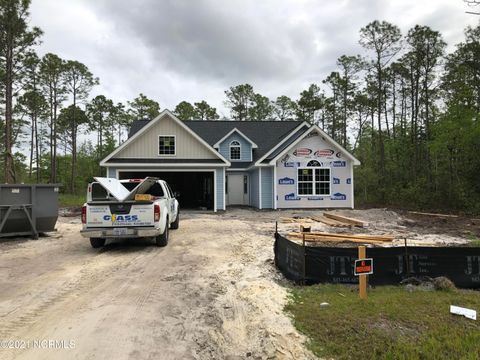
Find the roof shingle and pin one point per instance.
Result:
(266, 134)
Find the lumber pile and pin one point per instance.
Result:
(346, 220)
(330, 222)
(335, 237)
(330, 219)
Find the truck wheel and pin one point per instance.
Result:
(97, 242)
(162, 239)
(176, 223)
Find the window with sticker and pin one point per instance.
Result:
(313, 181)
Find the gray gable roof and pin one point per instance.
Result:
(286, 144)
(266, 134)
(136, 126)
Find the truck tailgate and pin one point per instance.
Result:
(119, 214)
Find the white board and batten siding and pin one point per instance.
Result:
(314, 147)
(146, 145)
(187, 146)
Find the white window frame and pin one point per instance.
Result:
(314, 181)
(175, 148)
(239, 146)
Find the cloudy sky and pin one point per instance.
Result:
(195, 49)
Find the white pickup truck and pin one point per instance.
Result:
(134, 208)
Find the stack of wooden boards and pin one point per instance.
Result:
(328, 219)
(335, 220)
(332, 237)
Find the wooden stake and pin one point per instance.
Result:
(362, 281)
(304, 260)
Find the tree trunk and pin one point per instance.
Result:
(32, 146)
(50, 100)
(37, 151)
(74, 145)
(55, 109)
(380, 136)
(387, 124)
(394, 104)
(9, 171)
(334, 115)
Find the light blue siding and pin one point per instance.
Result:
(254, 193)
(112, 172)
(220, 190)
(267, 187)
(245, 150)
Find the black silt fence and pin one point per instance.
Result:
(390, 265)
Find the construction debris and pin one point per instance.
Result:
(329, 222)
(327, 219)
(432, 214)
(333, 237)
(346, 220)
(295, 220)
(468, 313)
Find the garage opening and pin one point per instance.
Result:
(195, 188)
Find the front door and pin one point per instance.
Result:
(237, 186)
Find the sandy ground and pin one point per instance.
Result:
(212, 293)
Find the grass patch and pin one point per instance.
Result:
(475, 243)
(391, 324)
(71, 200)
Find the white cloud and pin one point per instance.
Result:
(194, 50)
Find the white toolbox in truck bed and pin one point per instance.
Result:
(111, 210)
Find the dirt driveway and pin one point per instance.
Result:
(212, 293)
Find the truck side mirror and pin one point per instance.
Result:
(176, 194)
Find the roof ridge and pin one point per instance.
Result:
(245, 121)
(235, 121)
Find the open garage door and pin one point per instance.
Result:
(195, 187)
